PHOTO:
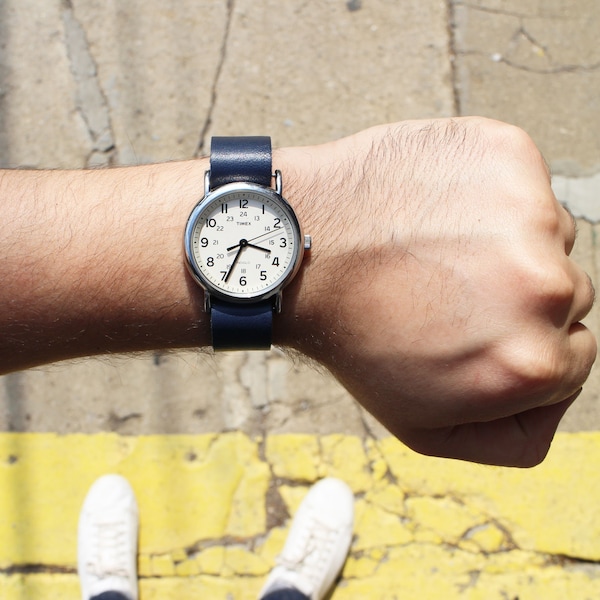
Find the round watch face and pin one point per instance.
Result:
(243, 242)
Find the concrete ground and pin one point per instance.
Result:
(95, 83)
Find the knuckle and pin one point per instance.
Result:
(519, 142)
(534, 369)
(516, 145)
(558, 290)
(588, 295)
(548, 288)
(543, 370)
(504, 132)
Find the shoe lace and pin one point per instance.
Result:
(110, 556)
(313, 550)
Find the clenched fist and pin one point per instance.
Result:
(440, 290)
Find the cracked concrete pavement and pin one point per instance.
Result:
(422, 529)
(119, 83)
(94, 83)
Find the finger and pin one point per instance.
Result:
(577, 363)
(584, 295)
(562, 292)
(584, 299)
(583, 353)
(521, 440)
(559, 372)
(568, 227)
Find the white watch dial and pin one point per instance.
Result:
(243, 243)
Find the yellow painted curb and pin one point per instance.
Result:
(214, 513)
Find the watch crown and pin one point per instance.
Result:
(307, 242)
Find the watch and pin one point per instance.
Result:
(243, 243)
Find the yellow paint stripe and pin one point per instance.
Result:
(425, 528)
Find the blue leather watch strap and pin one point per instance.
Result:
(241, 326)
(240, 159)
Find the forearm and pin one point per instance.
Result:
(438, 290)
(91, 263)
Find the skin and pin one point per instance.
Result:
(439, 289)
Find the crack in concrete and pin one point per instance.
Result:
(37, 568)
(250, 543)
(452, 56)
(368, 433)
(115, 422)
(505, 13)
(91, 102)
(538, 47)
(556, 70)
(275, 508)
(521, 33)
(389, 475)
(200, 149)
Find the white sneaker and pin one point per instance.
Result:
(107, 540)
(318, 542)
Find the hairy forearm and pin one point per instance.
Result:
(438, 290)
(91, 263)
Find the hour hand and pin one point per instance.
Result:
(237, 256)
(243, 243)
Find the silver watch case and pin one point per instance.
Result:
(301, 242)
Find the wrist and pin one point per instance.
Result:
(102, 270)
(344, 208)
(170, 302)
(309, 177)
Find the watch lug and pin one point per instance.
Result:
(277, 303)
(206, 182)
(278, 182)
(207, 303)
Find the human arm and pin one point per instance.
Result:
(438, 290)
(91, 263)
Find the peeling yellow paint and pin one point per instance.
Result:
(39, 585)
(345, 458)
(162, 565)
(449, 519)
(388, 497)
(178, 555)
(240, 561)
(272, 545)
(187, 568)
(292, 496)
(425, 527)
(376, 527)
(211, 560)
(144, 565)
(294, 456)
(364, 565)
(488, 537)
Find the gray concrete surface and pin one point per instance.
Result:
(107, 82)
